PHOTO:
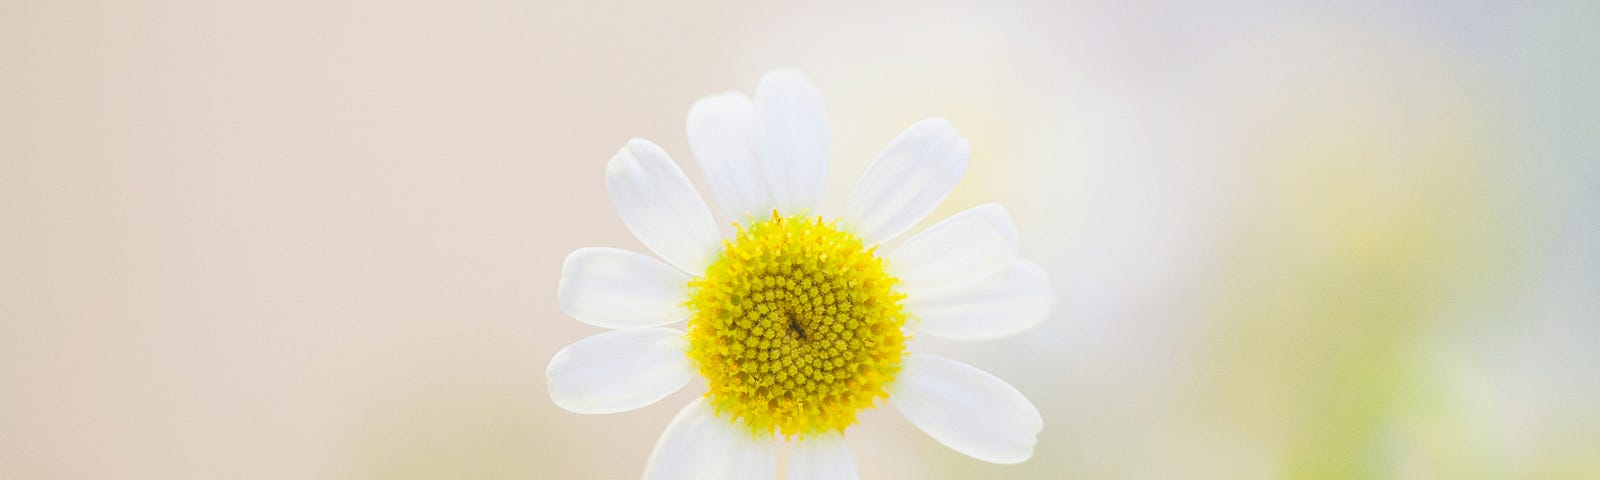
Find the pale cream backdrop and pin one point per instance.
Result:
(321, 240)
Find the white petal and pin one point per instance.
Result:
(1012, 299)
(614, 288)
(970, 244)
(912, 175)
(823, 458)
(791, 140)
(699, 445)
(723, 138)
(620, 370)
(966, 409)
(659, 206)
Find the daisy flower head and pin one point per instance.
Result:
(798, 321)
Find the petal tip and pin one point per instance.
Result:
(636, 145)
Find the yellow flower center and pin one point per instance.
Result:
(795, 327)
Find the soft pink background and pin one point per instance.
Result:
(321, 239)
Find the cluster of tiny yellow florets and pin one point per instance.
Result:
(795, 327)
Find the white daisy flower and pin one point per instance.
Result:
(797, 322)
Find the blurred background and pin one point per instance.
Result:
(322, 239)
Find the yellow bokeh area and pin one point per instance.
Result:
(1328, 296)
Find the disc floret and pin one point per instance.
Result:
(796, 326)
